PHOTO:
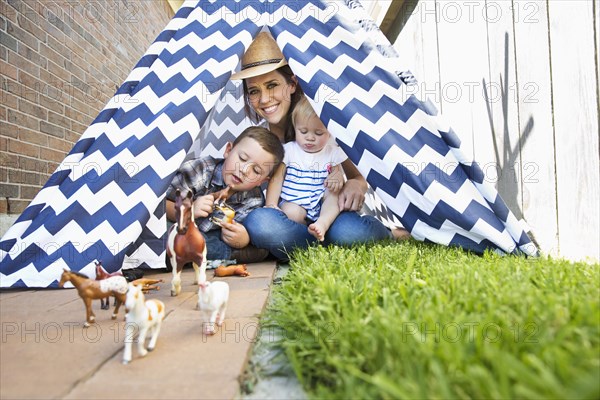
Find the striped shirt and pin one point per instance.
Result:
(305, 175)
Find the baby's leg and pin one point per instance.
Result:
(329, 212)
(294, 212)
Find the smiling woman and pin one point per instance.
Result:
(272, 92)
(271, 89)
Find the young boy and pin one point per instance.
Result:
(247, 162)
(312, 170)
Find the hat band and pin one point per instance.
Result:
(256, 64)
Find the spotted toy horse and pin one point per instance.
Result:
(90, 289)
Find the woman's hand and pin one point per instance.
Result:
(352, 196)
(234, 235)
(203, 206)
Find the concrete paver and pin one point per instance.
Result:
(45, 352)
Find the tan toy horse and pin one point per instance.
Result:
(90, 289)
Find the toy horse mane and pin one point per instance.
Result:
(79, 274)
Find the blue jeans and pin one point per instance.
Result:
(216, 248)
(271, 229)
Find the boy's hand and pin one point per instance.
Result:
(203, 206)
(235, 235)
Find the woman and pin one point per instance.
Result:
(271, 92)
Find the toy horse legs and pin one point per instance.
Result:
(176, 281)
(185, 242)
(200, 272)
(130, 328)
(90, 317)
(154, 332)
(141, 343)
(216, 317)
(119, 299)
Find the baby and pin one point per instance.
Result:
(310, 177)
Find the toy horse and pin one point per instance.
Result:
(185, 243)
(90, 289)
(143, 317)
(226, 213)
(102, 274)
(229, 270)
(147, 284)
(212, 302)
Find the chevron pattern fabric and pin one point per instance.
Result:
(105, 201)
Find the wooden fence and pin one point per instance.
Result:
(518, 81)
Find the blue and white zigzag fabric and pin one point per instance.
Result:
(105, 201)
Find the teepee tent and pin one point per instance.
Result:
(106, 200)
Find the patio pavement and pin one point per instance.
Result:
(46, 353)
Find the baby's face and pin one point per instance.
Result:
(311, 134)
(247, 165)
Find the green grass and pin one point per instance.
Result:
(411, 320)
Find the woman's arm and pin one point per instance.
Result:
(352, 195)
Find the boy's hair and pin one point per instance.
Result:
(267, 140)
(303, 109)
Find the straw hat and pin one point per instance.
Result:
(263, 56)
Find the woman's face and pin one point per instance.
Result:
(270, 95)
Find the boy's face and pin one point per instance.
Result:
(311, 134)
(247, 165)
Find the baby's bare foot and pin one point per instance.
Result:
(317, 230)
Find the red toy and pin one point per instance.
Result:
(102, 274)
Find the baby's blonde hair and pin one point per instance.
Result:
(303, 109)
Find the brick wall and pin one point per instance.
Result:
(60, 61)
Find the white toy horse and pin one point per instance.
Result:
(142, 316)
(212, 302)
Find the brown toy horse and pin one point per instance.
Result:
(90, 289)
(185, 243)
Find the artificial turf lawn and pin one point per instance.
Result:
(412, 320)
